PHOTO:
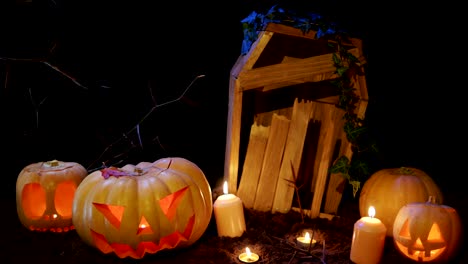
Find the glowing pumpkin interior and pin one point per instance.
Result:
(42, 206)
(418, 248)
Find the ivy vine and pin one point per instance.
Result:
(348, 67)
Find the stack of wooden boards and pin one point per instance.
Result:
(275, 152)
(283, 124)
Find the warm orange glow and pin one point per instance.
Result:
(113, 213)
(419, 255)
(123, 250)
(144, 227)
(435, 234)
(63, 200)
(33, 200)
(170, 203)
(417, 251)
(45, 193)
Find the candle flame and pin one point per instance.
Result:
(225, 187)
(371, 211)
(307, 236)
(247, 251)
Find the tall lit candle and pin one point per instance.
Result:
(229, 214)
(368, 239)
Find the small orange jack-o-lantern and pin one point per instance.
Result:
(427, 232)
(44, 194)
(143, 208)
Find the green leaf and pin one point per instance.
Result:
(356, 185)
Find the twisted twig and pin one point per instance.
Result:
(137, 126)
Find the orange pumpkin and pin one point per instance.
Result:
(142, 209)
(45, 192)
(388, 190)
(427, 232)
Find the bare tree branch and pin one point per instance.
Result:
(137, 126)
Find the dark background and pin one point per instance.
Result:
(129, 56)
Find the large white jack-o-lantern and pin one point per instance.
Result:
(45, 192)
(135, 210)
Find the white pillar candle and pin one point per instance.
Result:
(368, 239)
(229, 214)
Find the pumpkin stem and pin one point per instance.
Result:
(52, 163)
(406, 171)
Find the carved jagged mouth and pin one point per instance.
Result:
(51, 229)
(123, 250)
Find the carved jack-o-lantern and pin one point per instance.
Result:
(142, 209)
(44, 194)
(427, 232)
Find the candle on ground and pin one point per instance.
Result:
(368, 239)
(229, 214)
(248, 256)
(305, 241)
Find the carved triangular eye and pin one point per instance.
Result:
(113, 213)
(435, 234)
(170, 203)
(404, 231)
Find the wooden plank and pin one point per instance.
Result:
(253, 164)
(312, 78)
(336, 181)
(232, 152)
(286, 72)
(291, 31)
(311, 34)
(317, 119)
(292, 156)
(231, 157)
(327, 137)
(271, 163)
(335, 187)
(247, 61)
(306, 212)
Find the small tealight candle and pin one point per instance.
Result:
(248, 256)
(368, 239)
(305, 241)
(229, 214)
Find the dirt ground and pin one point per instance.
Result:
(272, 236)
